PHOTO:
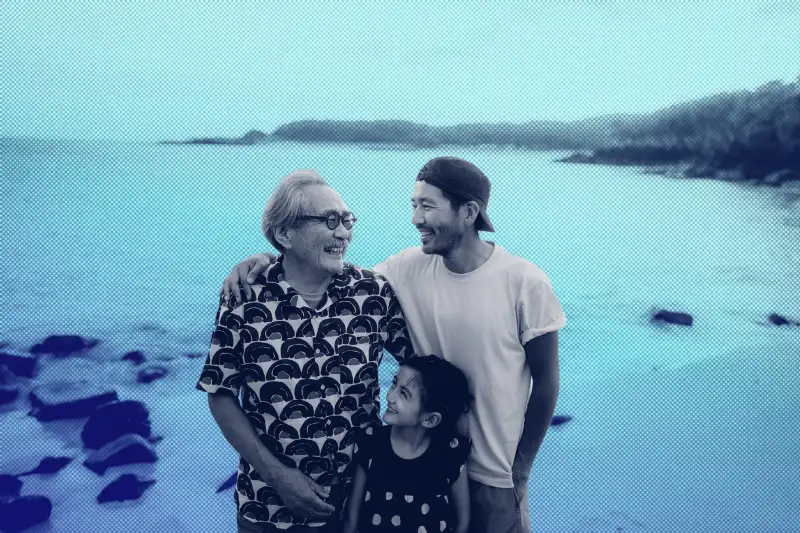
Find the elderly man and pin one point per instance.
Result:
(492, 314)
(303, 350)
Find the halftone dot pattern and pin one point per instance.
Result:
(129, 242)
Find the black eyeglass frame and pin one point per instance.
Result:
(333, 218)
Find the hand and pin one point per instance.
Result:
(303, 496)
(521, 489)
(245, 273)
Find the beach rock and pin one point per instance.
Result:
(672, 317)
(151, 373)
(18, 514)
(126, 450)
(8, 394)
(67, 400)
(779, 320)
(111, 421)
(20, 365)
(776, 179)
(49, 465)
(6, 377)
(229, 483)
(557, 420)
(63, 345)
(9, 486)
(137, 357)
(125, 487)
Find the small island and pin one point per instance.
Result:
(747, 136)
(249, 138)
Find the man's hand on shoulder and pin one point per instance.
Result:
(245, 273)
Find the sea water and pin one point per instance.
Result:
(129, 243)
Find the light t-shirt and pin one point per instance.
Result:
(480, 322)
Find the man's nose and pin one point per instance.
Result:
(341, 232)
(417, 217)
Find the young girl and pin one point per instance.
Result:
(410, 474)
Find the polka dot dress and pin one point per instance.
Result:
(409, 495)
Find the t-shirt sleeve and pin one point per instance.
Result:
(381, 268)
(539, 312)
(457, 453)
(220, 374)
(389, 268)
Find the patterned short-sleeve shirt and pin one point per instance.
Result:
(308, 377)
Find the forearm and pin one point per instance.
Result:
(538, 415)
(240, 434)
(355, 500)
(460, 494)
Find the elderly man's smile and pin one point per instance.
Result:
(336, 250)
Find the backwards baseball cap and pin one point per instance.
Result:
(463, 179)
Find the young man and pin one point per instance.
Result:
(492, 314)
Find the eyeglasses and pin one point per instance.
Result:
(332, 219)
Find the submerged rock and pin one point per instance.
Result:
(8, 394)
(112, 420)
(560, 419)
(229, 483)
(18, 514)
(672, 317)
(6, 377)
(779, 320)
(20, 365)
(9, 486)
(125, 487)
(49, 465)
(126, 450)
(151, 373)
(136, 357)
(67, 400)
(63, 345)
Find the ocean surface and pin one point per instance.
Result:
(129, 243)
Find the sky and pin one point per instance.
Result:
(168, 69)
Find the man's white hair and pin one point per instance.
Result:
(288, 202)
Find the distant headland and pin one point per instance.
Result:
(748, 136)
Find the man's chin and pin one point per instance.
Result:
(335, 268)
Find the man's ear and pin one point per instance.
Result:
(284, 237)
(431, 420)
(473, 211)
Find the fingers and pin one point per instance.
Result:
(233, 290)
(322, 492)
(241, 278)
(315, 508)
(224, 292)
(259, 265)
(321, 507)
(318, 503)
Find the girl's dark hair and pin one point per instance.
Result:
(445, 390)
